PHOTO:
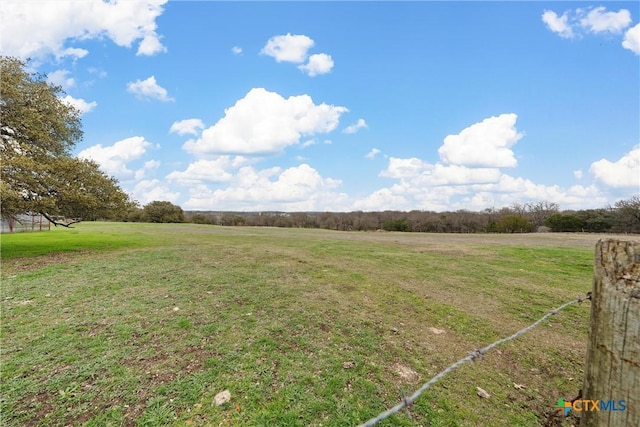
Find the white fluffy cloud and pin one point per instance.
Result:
(439, 187)
(598, 20)
(487, 143)
(237, 50)
(421, 173)
(510, 188)
(381, 200)
(219, 169)
(360, 124)
(150, 190)
(80, 104)
(320, 63)
(620, 174)
(473, 156)
(150, 45)
(439, 174)
(467, 179)
(594, 20)
(152, 164)
(187, 126)
(60, 78)
(295, 48)
(113, 159)
(264, 122)
(299, 188)
(148, 89)
(288, 47)
(558, 24)
(404, 168)
(632, 39)
(373, 153)
(59, 23)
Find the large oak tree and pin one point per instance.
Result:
(39, 174)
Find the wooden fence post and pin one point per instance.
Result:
(612, 370)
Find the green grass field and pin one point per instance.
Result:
(143, 324)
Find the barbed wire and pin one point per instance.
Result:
(407, 401)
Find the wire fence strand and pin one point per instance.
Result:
(407, 401)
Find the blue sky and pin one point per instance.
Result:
(334, 106)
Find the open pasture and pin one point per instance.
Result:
(144, 324)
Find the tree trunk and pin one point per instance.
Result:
(612, 371)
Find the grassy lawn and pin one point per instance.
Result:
(143, 324)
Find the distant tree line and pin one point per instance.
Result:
(622, 217)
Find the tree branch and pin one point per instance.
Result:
(66, 224)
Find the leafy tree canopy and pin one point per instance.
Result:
(567, 223)
(514, 224)
(37, 133)
(162, 211)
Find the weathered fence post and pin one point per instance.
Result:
(612, 371)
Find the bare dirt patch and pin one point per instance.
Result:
(407, 374)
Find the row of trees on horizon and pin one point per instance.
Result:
(623, 217)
